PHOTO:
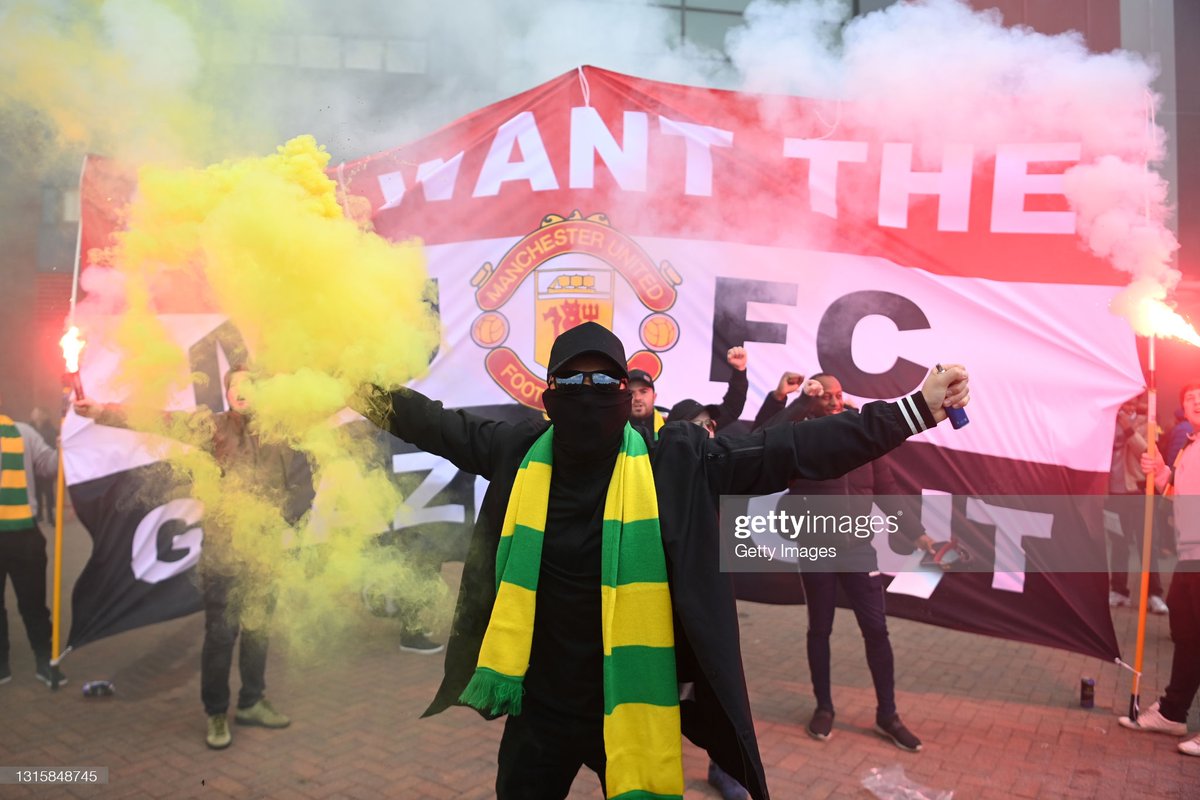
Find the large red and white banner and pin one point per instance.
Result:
(691, 220)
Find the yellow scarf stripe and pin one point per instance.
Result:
(642, 738)
(15, 513)
(649, 736)
(641, 615)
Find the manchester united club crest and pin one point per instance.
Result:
(576, 263)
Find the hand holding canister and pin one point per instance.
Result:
(957, 415)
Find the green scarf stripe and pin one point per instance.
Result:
(639, 794)
(641, 544)
(14, 497)
(522, 558)
(629, 677)
(12, 460)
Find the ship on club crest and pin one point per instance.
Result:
(581, 268)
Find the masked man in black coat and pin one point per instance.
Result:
(571, 683)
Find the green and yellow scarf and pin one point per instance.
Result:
(642, 738)
(15, 513)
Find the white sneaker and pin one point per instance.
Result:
(1150, 720)
(1117, 600)
(1156, 605)
(1190, 747)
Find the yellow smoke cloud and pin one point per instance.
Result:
(129, 78)
(324, 306)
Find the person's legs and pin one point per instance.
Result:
(865, 593)
(820, 595)
(1119, 560)
(539, 759)
(220, 634)
(27, 568)
(5, 569)
(252, 666)
(1184, 602)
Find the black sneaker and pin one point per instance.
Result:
(419, 643)
(899, 735)
(725, 783)
(50, 675)
(820, 727)
(5, 672)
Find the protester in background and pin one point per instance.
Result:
(46, 428)
(1126, 481)
(857, 568)
(1181, 432)
(275, 470)
(577, 512)
(646, 414)
(1182, 482)
(24, 457)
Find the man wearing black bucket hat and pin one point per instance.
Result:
(612, 549)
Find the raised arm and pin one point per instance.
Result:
(827, 447)
(734, 400)
(467, 441)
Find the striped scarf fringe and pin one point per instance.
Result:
(642, 739)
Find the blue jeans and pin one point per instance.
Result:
(865, 593)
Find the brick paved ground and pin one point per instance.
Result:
(999, 719)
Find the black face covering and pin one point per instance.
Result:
(588, 423)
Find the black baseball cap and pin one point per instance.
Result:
(641, 376)
(590, 337)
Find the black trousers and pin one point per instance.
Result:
(540, 754)
(865, 593)
(221, 629)
(23, 559)
(1184, 602)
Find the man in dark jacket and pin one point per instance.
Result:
(566, 703)
(274, 472)
(858, 573)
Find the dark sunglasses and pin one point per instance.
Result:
(603, 381)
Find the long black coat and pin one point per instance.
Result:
(691, 471)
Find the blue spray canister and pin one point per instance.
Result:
(958, 416)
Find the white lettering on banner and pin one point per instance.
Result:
(437, 177)
(1012, 526)
(698, 143)
(146, 562)
(590, 137)
(1013, 183)
(628, 162)
(898, 182)
(824, 156)
(535, 167)
(416, 509)
(393, 188)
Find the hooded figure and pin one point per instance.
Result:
(591, 591)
